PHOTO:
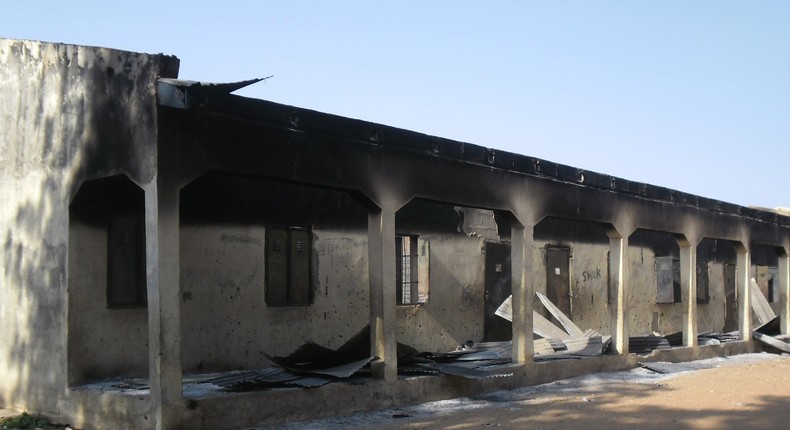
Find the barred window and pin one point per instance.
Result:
(412, 267)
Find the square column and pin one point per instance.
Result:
(688, 285)
(523, 293)
(164, 304)
(742, 288)
(618, 301)
(382, 278)
(784, 289)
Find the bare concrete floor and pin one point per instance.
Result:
(750, 391)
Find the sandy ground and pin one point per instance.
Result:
(750, 391)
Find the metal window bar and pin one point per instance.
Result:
(408, 276)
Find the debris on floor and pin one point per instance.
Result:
(769, 330)
(313, 365)
(666, 368)
(557, 343)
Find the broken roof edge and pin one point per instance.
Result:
(308, 120)
(224, 87)
(187, 94)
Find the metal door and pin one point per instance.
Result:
(497, 289)
(558, 278)
(730, 299)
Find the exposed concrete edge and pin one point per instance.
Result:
(100, 409)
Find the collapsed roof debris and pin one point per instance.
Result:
(647, 344)
(665, 367)
(769, 330)
(313, 365)
(760, 306)
(557, 343)
(571, 341)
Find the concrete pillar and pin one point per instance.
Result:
(164, 320)
(742, 268)
(784, 288)
(688, 285)
(382, 274)
(523, 292)
(618, 278)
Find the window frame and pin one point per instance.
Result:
(416, 268)
(703, 282)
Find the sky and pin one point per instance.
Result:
(690, 95)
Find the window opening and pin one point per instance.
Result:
(411, 253)
(126, 283)
(703, 290)
(667, 280)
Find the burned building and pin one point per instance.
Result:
(157, 228)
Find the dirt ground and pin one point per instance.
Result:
(743, 392)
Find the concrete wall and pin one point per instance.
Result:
(103, 342)
(645, 316)
(66, 113)
(589, 247)
(711, 315)
(226, 323)
(454, 312)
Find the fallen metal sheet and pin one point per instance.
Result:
(485, 354)
(607, 342)
(505, 310)
(591, 333)
(309, 382)
(665, 367)
(480, 364)
(770, 341)
(675, 339)
(310, 357)
(556, 356)
(585, 347)
(246, 380)
(542, 347)
(340, 371)
(762, 309)
(732, 336)
(540, 325)
(504, 347)
(558, 344)
(566, 322)
(546, 329)
(446, 356)
(128, 385)
(476, 373)
(646, 344)
(306, 355)
(771, 328)
(416, 370)
(474, 352)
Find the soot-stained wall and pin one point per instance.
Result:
(226, 322)
(68, 113)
